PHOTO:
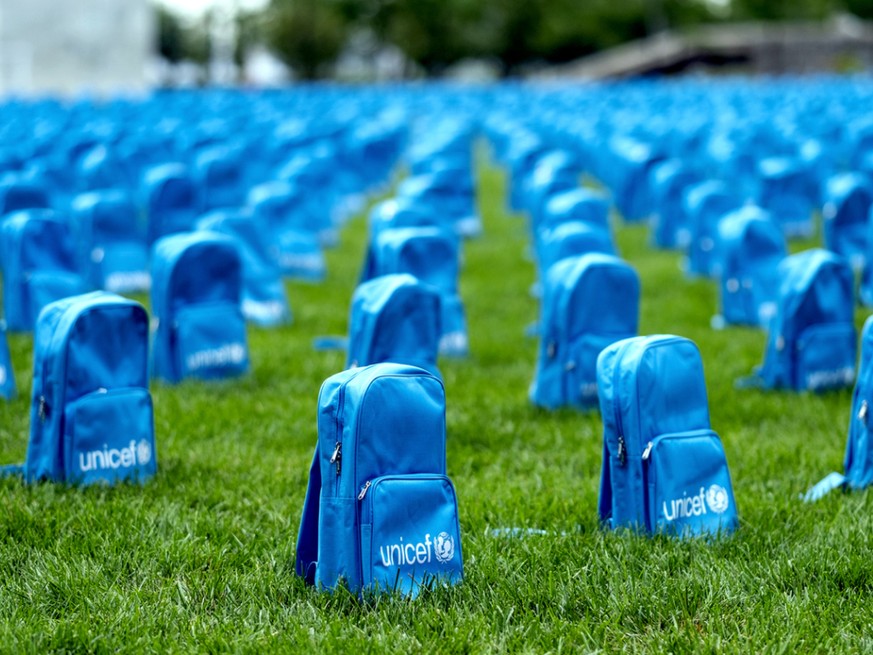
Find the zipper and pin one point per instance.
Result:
(621, 452)
(337, 457)
(862, 413)
(364, 490)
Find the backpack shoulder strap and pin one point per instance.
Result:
(307, 537)
(11, 470)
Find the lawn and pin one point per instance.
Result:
(201, 558)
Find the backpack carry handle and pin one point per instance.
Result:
(307, 537)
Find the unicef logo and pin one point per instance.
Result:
(444, 547)
(143, 452)
(717, 498)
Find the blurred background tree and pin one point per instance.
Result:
(310, 35)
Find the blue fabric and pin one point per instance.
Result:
(858, 460)
(196, 295)
(669, 181)
(848, 199)
(39, 265)
(705, 204)
(395, 318)
(570, 239)
(589, 302)
(432, 255)
(751, 246)
(91, 418)
(110, 243)
(663, 467)
(7, 373)
(172, 203)
(378, 474)
(811, 343)
(264, 301)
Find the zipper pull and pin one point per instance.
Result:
(622, 451)
(42, 411)
(647, 451)
(862, 413)
(337, 457)
(364, 490)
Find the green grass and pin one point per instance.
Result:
(201, 558)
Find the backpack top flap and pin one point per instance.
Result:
(106, 216)
(394, 318)
(857, 463)
(195, 267)
(570, 239)
(430, 254)
(239, 224)
(383, 418)
(81, 344)
(580, 204)
(749, 236)
(848, 197)
(591, 293)
(44, 241)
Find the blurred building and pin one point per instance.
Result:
(72, 46)
(843, 44)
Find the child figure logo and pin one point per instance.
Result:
(717, 498)
(444, 547)
(143, 452)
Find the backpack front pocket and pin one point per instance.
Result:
(211, 341)
(825, 357)
(410, 533)
(688, 485)
(109, 436)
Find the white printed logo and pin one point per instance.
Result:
(143, 452)
(232, 353)
(444, 547)
(717, 498)
(115, 458)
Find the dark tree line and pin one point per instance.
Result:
(309, 35)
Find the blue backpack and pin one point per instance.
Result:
(263, 295)
(296, 250)
(858, 462)
(705, 205)
(751, 247)
(91, 417)
(196, 289)
(380, 513)
(846, 212)
(664, 469)
(571, 239)
(589, 302)
(585, 205)
(395, 318)
(112, 249)
(171, 200)
(785, 194)
(39, 265)
(811, 343)
(7, 373)
(669, 181)
(431, 255)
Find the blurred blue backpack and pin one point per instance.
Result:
(705, 205)
(785, 193)
(296, 250)
(858, 461)
(7, 373)
(664, 468)
(91, 417)
(669, 181)
(571, 239)
(112, 246)
(751, 246)
(585, 205)
(431, 255)
(811, 343)
(264, 301)
(846, 214)
(395, 318)
(171, 200)
(589, 302)
(196, 290)
(39, 265)
(380, 515)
